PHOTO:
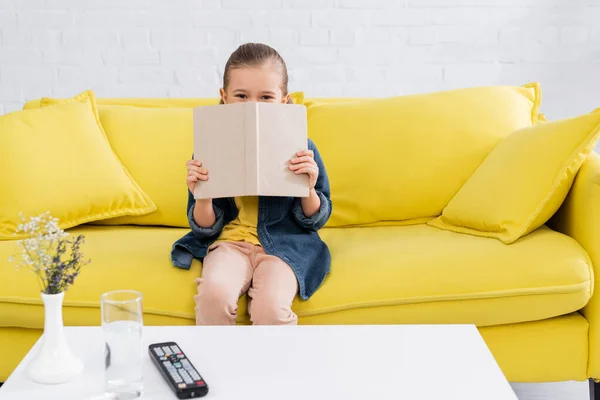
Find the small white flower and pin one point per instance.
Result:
(39, 247)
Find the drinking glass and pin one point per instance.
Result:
(122, 325)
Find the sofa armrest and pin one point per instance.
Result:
(579, 218)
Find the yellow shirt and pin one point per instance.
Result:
(243, 228)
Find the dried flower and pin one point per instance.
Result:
(44, 252)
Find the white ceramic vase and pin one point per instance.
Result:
(54, 361)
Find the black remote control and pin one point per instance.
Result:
(178, 371)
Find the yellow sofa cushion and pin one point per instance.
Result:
(154, 144)
(523, 181)
(58, 159)
(415, 274)
(420, 274)
(403, 158)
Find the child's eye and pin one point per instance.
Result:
(240, 96)
(267, 97)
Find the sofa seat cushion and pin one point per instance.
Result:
(401, 274)
(419, 274)
(123, 257)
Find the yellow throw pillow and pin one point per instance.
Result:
(58, 159)
(401, 159)
(523, 181)
(154, 144)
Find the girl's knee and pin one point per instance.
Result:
(215, 304)
(266, 310)
(213, 292)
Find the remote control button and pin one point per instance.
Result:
(180, 356)
(201, 383)
(181, 386)
(176, 378)
(186, 364)
(194, 375)
(175, 349)
(167, 350)
(186, 377)
(158, 351)
(169, 366)
(177, 365)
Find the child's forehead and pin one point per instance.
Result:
(265, 75)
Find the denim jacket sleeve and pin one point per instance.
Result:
(199, 232)
(318, 220)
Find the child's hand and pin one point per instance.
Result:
(305, 164)
(195, 173)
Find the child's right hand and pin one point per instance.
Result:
(195, 173)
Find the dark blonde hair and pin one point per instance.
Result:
(252, 55)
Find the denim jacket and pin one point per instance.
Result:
(283, 230)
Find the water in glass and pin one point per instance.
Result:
(122, 325)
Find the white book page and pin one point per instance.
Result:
(220, 143)
(282, 132)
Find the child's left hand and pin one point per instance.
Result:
(305, 163)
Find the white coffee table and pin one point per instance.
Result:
(305, 362)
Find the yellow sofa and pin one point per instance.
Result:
(532, 300)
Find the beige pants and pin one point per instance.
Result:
(232, 268)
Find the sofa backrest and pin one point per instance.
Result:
(401, 159)
(397, 160)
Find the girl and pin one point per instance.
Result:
(267, 246)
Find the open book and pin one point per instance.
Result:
(247, 148)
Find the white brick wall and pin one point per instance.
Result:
(333, 47)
